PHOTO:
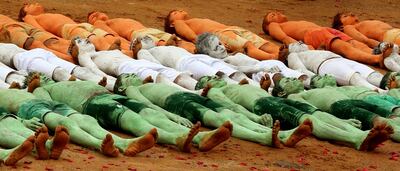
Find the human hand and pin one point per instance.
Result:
(33, 123)
(266, 120)
(354, 122)
(183, 121)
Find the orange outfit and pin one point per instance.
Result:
(321, 38)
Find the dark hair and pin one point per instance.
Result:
(202, 42)
(167, 24)
(90, 13)
(22, 14)
(336, 22)
(277, 89)
(265, 24)
(385, 80)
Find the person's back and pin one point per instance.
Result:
(73, 93)
(11, 99)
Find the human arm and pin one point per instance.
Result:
(146, 55)
(42, 93)
(32, 21)
(183, 30)
(352, 31)
(103, 25)
(85, 60)
(277, 33)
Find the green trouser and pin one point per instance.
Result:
(287, 111)
(190, 106)
(39, 108)
(358, 109)
(386, 103)
(107, 109)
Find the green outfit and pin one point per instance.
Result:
(188, 105)
(91, 99)
(343, 103)
(27, 106)
(260, 102)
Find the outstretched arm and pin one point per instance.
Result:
(183, 30)
(355, 34)
(277, 33)
(32, 21)
(85, 60)
(103, 25)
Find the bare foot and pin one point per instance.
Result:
(304, 130)
(243, 81)
(42, 136)
(14, 85)
(24, 149)
(265, 82)
(216, 137)
(103, 82)
(185, 143)
(378, 134)
(275, 130)
(73, 49)
(60, 140)
(135, 46)
(172, 41)
(386, 52)
(144, 143)
(148, 80)
(28, 43)
(34, 83)
(108, 148)
(116, 45)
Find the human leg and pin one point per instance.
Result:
(12, 156)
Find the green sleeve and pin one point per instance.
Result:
(42, 93)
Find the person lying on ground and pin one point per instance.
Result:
(64, 27)
(236, 39)
(209, 44)
(370, 32)
(198, 65)
(131, 29)
(28, 37)
(40, 60)
(343, 107)
(280, 28)
(200, 109)
(119, 112)
(116, 63)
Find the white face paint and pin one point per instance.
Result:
(147, 42)
(84, 45)
(216, 49)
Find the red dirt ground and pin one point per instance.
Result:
(309, 154)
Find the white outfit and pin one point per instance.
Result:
(322, 62)
(5, 71)
(261, 67)
(197, 65)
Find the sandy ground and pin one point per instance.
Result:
(309, 154)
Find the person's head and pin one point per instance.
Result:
(286, 86)
(96, 15)
(171, 17)
(214, 81)
(342, 19)
(125, 80)
(209, 44)
(321, 81)
(31, 9)
(272, 17)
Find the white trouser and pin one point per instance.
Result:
(5, 71)
(195, 67)
(143, 69)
